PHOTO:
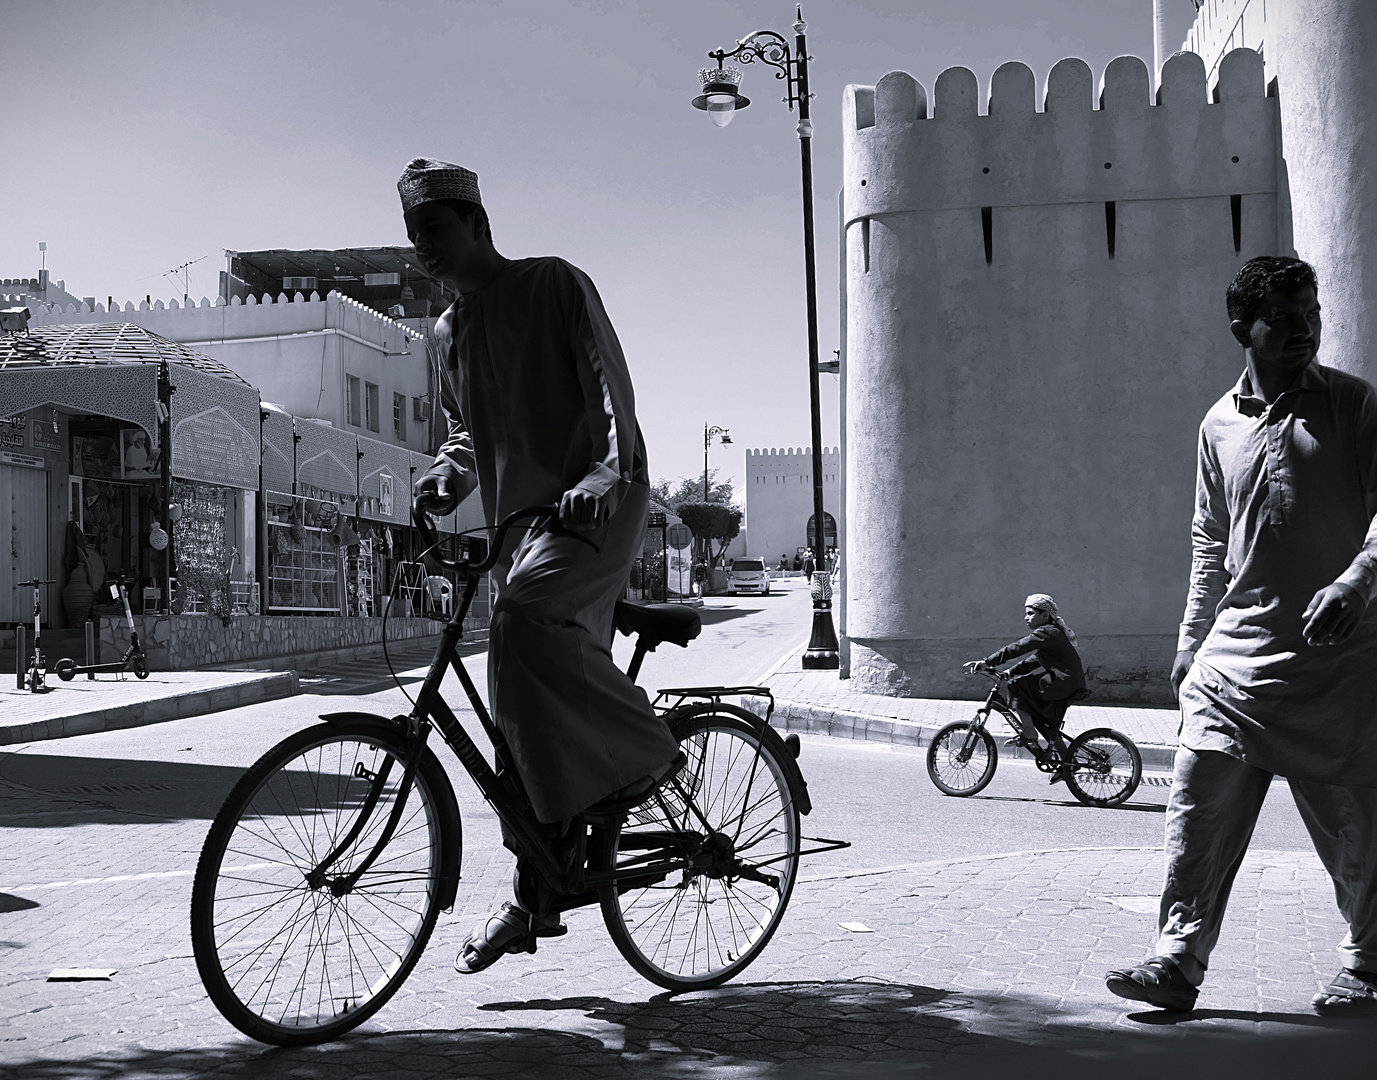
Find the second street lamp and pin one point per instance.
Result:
(708, 433)
(721, 98)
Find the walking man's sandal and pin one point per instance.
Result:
(1158, 981)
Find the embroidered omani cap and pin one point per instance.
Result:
(425, 180)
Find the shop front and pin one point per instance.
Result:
(86, 489)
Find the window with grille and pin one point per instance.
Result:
(399, 416)
(370, 405)
(351, 398)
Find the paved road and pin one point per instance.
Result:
(992, 922)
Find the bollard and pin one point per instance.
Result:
(21, 654)
(90, 649)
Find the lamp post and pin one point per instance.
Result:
(708, 433)
(720, 99)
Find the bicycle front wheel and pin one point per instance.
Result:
(962, 758)
(1105, 767)
(286, 958)
(729, 825)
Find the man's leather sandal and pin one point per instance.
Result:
(1158, 981)
(1349, 993)
(510, 929)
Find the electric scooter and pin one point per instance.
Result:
(133, 659)
(35, 674)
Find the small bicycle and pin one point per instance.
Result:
(1102, 767)
(326, 868)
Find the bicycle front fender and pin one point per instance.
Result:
(451, 828)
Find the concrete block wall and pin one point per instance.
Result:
(779, 497)
(188, 642)
(1035, 327)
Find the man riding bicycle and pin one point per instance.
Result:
(541, 411)
(1049, 676)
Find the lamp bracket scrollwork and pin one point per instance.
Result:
(768, 48)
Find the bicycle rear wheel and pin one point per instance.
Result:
(1105, 767)
(288, 962)
(730, 825)
(962, 758)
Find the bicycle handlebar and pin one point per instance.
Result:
(431, 539)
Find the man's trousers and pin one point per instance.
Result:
(1214, 806)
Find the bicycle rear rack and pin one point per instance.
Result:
(671, 697)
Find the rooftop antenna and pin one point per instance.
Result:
(185, 271)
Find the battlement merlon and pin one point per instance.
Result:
(903, 156)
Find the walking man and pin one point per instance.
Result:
(1277, 664)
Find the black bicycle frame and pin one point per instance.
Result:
(511, 807)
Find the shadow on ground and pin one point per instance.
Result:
(86, 791)
(711, 615)
(861, 1029)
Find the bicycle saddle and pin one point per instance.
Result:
(658, 622)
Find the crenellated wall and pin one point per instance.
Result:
(1035, 325)
(779, 498)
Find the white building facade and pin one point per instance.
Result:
(779, 500)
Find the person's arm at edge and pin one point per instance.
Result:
(1335, 611)
(1209, 547)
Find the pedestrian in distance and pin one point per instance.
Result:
(540, 411)
(1277, 664)
(1048, 677)
(808, 565)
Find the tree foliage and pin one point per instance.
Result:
(711, 523)
(689, 489)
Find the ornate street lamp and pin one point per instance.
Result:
(708, 433)
(720, 99)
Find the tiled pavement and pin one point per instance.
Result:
(981, 957)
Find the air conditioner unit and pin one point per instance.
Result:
(420, 409)
(301, 283)
(382, 279)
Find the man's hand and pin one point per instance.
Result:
(1180, 668)
(437, 489)
(582, 510)
(972, 666)
(1333, 614)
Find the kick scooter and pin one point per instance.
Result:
(35, 673)
(133, 659)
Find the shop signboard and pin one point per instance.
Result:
(44, 437)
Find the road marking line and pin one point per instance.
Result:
(31, 886)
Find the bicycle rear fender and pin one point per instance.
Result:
(451, 828)
(798, 787)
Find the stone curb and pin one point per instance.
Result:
(251, 691)
(845, 724)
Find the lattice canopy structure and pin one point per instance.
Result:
(102, 343)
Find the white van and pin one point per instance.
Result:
(748, 576)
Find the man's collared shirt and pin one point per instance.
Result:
(1286, 496)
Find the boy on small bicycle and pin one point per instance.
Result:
(1048, 677)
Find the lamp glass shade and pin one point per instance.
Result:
(721, 108)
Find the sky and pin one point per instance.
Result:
(144, 135)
